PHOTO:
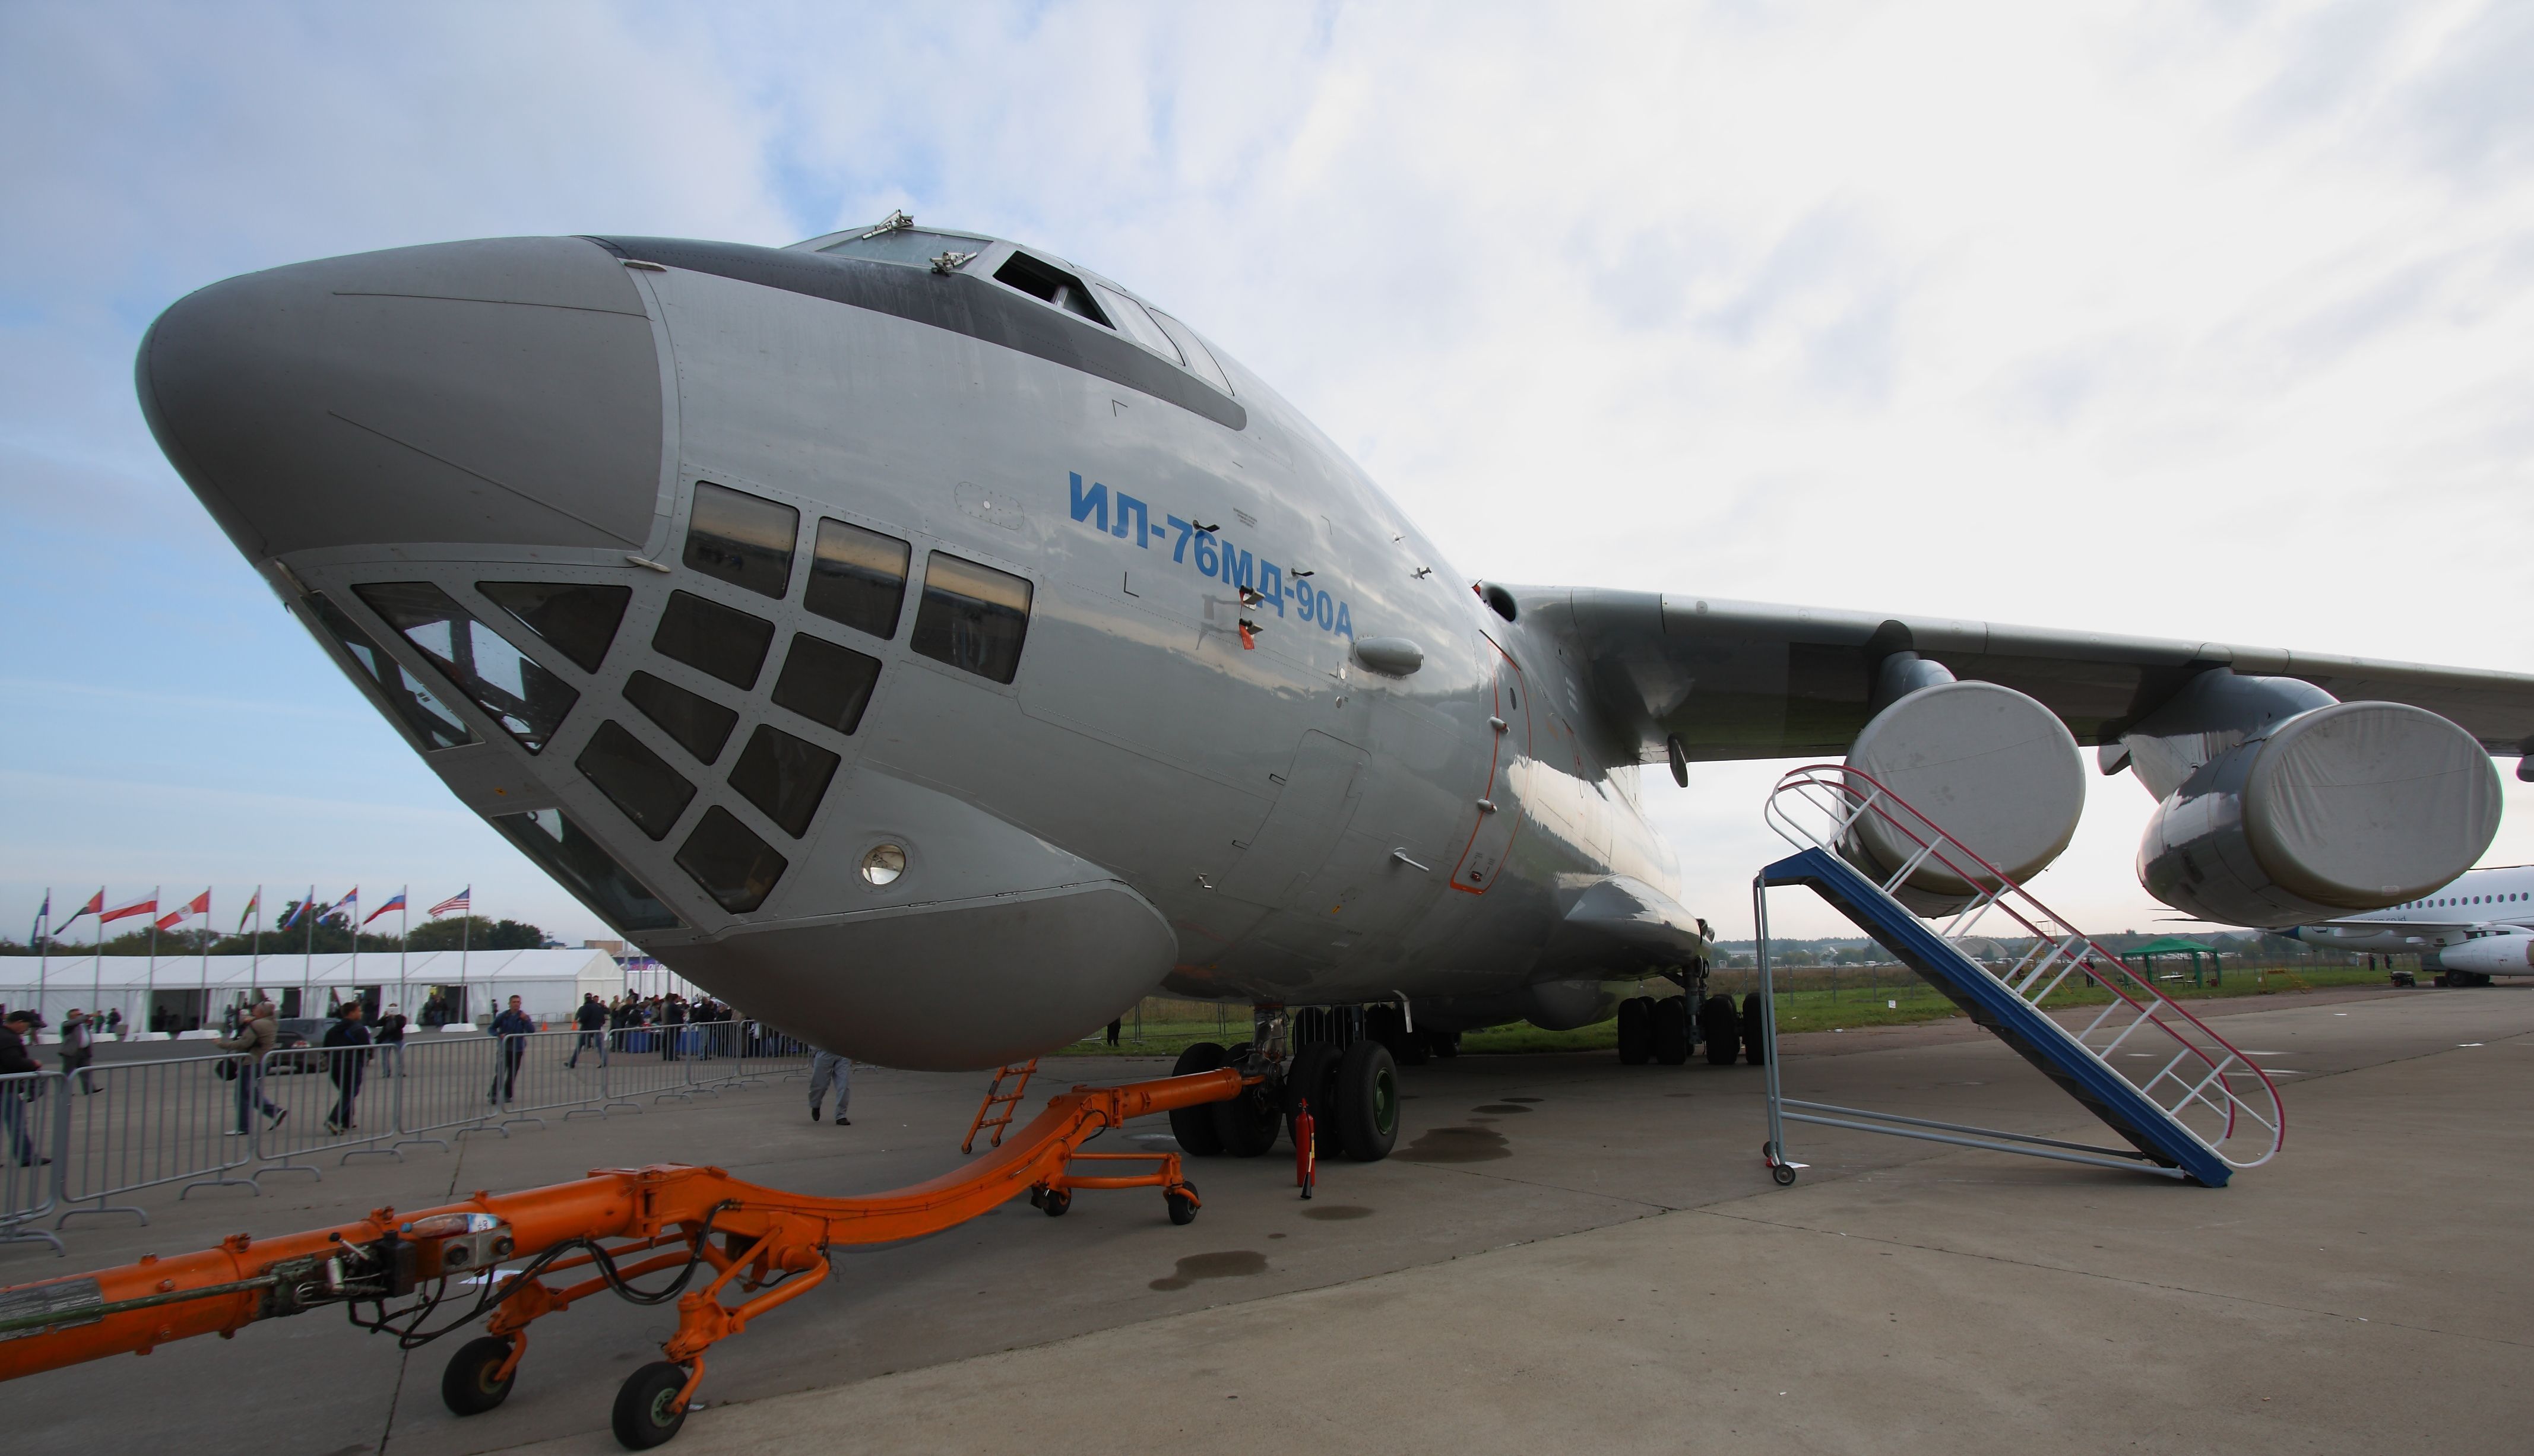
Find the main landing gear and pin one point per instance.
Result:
(1659, 1030)
(1348, 1073)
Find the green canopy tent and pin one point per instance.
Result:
(2142, 959)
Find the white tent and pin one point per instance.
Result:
(194, 992)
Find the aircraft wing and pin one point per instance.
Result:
(1748, 679)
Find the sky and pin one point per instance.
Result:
(2211, 321)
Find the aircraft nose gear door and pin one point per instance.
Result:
(1498, 810)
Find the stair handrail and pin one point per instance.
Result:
(1831, 790)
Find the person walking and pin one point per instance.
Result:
(511, 1030)
(390, 1039)
(673, 1025)
(348, 1059)
(831, 1066)
(255, 1035)
(592, 1018)
(79, 1049)
(14, 1098)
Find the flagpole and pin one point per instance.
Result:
(465, 934)
(96, 955)
(149, 985)
(255, 946)
(405, 929)
(44, 949)
(205, 1017)
(308, 949)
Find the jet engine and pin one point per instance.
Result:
(2491, 955)
(1992, 767)
(2281, 805)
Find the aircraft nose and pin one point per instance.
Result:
(504, 391)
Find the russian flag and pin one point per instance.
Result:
(300, 908)
(395, 903)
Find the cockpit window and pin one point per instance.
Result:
(1199, 358)
(578, 619)
(972, 616)
(569, 853)
(421, 712)
(527, 700)
(1045, 281)
(905, 245)
(744, 539)
(1133, 321)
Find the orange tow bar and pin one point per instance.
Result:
(617, 1224)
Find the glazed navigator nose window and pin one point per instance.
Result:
(423, 715)
(527, 700)
(973, 617)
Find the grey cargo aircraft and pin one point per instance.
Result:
(934, 647)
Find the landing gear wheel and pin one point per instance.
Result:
(1721, 1029)
(1755, 1045)
(1193, 1127)
(1783, 1175)
(1636, 1031)
(647, 1413)
(468, 1387)
(1367, 1102)
(1245, 1127)
(1055, 1201)
(1182, 1203)
(1670, 1030)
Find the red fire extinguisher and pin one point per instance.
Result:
(1306, 1155)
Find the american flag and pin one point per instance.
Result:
(453, 903)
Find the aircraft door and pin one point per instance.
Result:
(1498, 814)
(1316, 800)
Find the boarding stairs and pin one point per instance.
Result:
(2189, 1104)
(987, 1114)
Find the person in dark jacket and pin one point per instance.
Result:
(79, 1049)
(15, 1096)
(389, 1038)
(673, 1025)
(592, 1018)
(348, 1059)
(510, 1032)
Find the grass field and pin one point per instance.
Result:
(1808, 999)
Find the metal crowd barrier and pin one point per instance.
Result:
(128, 1125)
(33, 1152)
(115, 1129)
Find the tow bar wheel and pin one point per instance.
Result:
(648, 1412)
(474, 1382)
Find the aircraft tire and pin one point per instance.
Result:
(1722, 1028)
(1754, 1047)
(1367, 1102)
(1636, 1031)
(1670, 1030)
(1245, 1126)
(1193, 1127)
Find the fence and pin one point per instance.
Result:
(111, 1131)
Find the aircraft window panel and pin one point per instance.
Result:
(634, 779)
(744, 539)
(580, 619)
(911, 247)
(732, 864)
(709, 637)
(425, 715)
(858, 577)
(973, 617)
(1194, 349)
(1051, 285)
(527, 700)
(699, 725)
(564, 851)
(1135, 322)
(827, 684)
(784, 775)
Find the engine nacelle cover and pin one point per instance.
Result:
(2491, 955)
(1991, 766)
(2350, 807)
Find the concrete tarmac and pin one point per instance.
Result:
(1564, 1252)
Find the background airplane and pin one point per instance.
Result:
(2479, 926)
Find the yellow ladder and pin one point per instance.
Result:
(996, 1097)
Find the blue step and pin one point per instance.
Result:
(2079, 1073)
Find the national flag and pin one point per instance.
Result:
(353, 900)
(456, 904)
(200, 905)
(95, 906)
(396, 902)
(300, 908)
(254, 903)
(41, 916)
(147, 905)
